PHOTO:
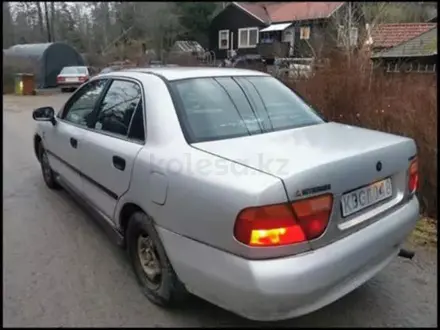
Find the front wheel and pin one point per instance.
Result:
(153, 270)
(49, 176)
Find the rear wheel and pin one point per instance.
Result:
(153, 270)
(49, 176)
(63, 90)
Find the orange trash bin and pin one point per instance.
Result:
(25, 84)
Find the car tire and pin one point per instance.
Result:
(63, 90)
(49, 175)
(164, 290)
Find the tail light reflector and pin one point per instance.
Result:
(313, 214)
(283, 224)
(413, 177)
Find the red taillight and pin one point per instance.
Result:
(60, 78)
(283, 224)
(313, 214)
(413, 176)
(83, 78)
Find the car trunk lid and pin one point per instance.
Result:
(325, 158)
(72, 77)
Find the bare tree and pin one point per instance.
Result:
(40, 18)
(46, 14)
(52, 19)
(8, 26)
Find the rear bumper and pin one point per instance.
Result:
(70, 85)
(276, 289)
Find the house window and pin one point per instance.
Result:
(247, 38)
(304, 32)
(223, 39)
(343, 35)
(354, 34)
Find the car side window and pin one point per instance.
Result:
(81, 106)
(117, 107)
(137, 131)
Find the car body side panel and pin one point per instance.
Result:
(63, 158)
(203, 203)
(109, 183)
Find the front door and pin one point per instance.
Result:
(64, 142)
(111, 145)
(289, 36)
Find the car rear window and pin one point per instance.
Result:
(74, 70)
(226, 107)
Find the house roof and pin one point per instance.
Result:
(422, 45)
(390, 35)
(255, 9)
(277, 12)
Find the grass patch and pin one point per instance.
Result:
(425, 233)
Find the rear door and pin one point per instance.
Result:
(115, 137)
(64, 141)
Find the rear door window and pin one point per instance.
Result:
(117, 107)
(137, 131)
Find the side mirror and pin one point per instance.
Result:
(44, 114)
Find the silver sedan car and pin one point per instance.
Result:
(223, 183)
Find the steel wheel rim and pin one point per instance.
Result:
(149, 261)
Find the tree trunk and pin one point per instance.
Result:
(8, 26)
(40, 19)
(52, 19)
(49, 35)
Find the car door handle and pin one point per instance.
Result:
(119, 163)
(74, 143)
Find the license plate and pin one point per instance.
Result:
(362, 198)
(71, 79)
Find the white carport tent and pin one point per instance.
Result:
(276, 27)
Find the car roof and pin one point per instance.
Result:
(178, 73)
